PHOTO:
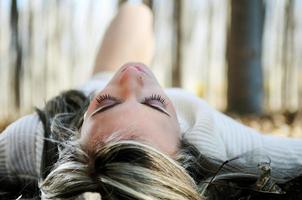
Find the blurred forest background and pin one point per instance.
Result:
(243, 56)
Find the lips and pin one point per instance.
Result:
(127, 67)
(138, 67)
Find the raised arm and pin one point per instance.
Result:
(129, 38)
(284, 153)
(218, 136)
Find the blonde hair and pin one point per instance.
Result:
(119, 170)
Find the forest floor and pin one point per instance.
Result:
(5, 122)
(285, 124)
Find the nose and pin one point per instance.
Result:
(131, 80)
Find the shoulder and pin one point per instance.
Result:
(191, 110)
(186, 100)
(23, 125)
(178, 92)
(24, 142)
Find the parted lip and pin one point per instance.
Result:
(138, 66)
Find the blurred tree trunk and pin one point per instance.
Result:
(245, 82)
(16, 49)
(176, 70)
(289, 76)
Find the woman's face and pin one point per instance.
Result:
(132, 106)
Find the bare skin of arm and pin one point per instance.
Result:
(129, 38)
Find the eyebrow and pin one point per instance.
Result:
(103, 109)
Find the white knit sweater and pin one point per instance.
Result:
(213, 133)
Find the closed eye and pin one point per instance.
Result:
(157, 108)
(105, 108)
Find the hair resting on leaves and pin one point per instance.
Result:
(132, 170)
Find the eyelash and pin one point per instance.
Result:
(103, 97)
(155, 97)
